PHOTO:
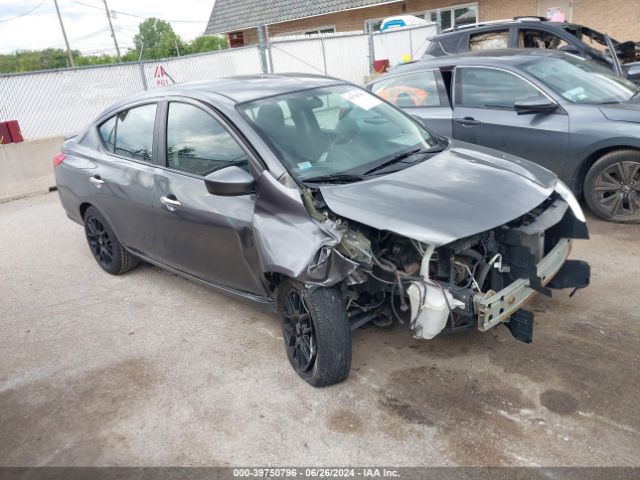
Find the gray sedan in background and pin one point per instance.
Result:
(574, 117)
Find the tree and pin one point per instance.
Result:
(206, 43)
(157, 39)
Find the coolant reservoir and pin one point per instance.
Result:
(429, 310)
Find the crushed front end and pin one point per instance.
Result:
(478, 281)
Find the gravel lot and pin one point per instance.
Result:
(151, 369)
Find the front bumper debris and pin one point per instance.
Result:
(495, 308)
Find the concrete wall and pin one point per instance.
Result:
(27, 167)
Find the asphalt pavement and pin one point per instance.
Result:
(151, 369)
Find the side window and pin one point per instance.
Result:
(197, 143)
(489, 40)
(410, 91)
(532, 38)
(134, 132)
(108, 133)
(491, 88)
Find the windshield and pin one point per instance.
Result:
(581, 81)
(338, 131)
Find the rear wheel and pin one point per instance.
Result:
(104, 245)
(316, 332)
(612, 186)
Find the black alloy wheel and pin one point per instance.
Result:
(112, 257)
(100, 242)
(316, 332)
(299, 332)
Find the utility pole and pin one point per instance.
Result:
(64, 34)
(113, 34)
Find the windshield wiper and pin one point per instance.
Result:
(403, 156)
(334, 178)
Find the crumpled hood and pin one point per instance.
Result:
(622, 112)
(465, 189)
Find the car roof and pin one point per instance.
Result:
(506, 56)
(237, 89)
(499, 24)
(244, 88)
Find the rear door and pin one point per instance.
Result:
(207, 236)
(421, 94)
(124, 177)
(484, 114)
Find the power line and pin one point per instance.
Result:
(23, 14)
(170, 21)
(134, 15)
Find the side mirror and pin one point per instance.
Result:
(537, 105)
(231, 181)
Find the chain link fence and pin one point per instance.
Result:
(58, 102)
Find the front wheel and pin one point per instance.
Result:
(316, 332)
(612, 186)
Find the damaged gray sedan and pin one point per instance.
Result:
(315, 198)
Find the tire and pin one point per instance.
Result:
(325, 325)
(612, 186)
(105, 247)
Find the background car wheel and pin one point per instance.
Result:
(104, 245)
(316, 332)
(612, 186)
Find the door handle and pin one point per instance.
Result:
(97, 181)
(468, 121)
(170, 203)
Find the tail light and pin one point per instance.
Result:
(58, 159)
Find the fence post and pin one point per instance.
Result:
(141, 67)
(324, 55)
(372, 52)
(262, 48)
(268, 39)
(143, 75)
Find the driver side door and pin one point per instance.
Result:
(484, 114)
(206, 236)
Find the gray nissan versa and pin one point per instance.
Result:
(316, 199)
(572, 116)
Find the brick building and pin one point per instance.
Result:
(238, 18)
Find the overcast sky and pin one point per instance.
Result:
(87, 27)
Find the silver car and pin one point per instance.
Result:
(312, 197)
(574, 117)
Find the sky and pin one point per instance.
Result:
(87, 26)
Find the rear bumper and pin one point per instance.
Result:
(495, 308)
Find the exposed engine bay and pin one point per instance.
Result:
(462, 284)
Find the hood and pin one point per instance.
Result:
(622, 112)
(463, 190)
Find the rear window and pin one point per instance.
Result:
(489, 40)
(130, 132)
(410, 91)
